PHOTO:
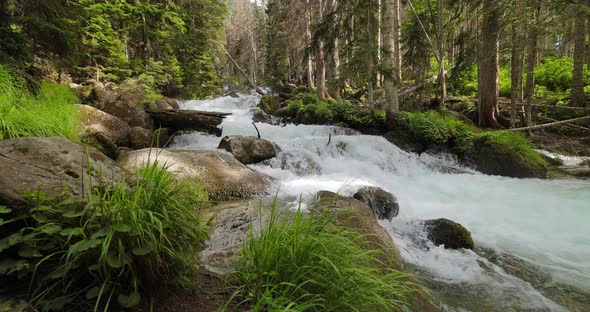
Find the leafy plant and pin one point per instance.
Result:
(301, 262)
(116, 246)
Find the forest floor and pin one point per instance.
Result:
(562, 144)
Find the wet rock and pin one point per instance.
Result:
(102, 130)
(164, 103)
(284, 112)
(248, 149)
(404, 141)
(358, 216)
(222, 176)
(140, 138)
(448, 233)
(258, 115)
(489, 159)
(576, 171)
(298, 163)
(55, 166)
(384, 204)
(229, 225)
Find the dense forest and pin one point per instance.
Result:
(351, 130)
(401, 52)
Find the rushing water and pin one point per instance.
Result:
(544, 224)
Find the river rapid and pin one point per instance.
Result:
(532, 236)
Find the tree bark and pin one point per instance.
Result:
(390, 79)
(441, 52)
(578, 98)
(518, 38)
(488, 66)
(533, 51)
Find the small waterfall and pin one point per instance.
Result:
(544, 223)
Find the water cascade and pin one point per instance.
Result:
(542, 224)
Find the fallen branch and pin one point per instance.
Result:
(552, 124)
(569, 124)
(329, 140)
(252, 84)
(256, 129)
(413, 88)
(548, 106)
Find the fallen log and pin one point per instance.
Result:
(425, 82)
(179, 119)
(243, 72)
(569, 124)
(552, 124)
(547, 106)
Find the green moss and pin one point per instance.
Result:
(514, 144)
(269, 103)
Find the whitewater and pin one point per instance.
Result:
(541, 223)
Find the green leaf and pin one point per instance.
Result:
(129, 301)
(10, 241)
(122, 228)
(8, 266)
(72, 232)
(27, 251)
(102, 232)
(93, 292)
(142, 251)
(4, 210)
(83, 246)
(50, 229)
(117, 261)
(73, 214)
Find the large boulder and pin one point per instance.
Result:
(258, 115)
(358, 216)
(55, 166)
(221, 174)
(140, 138)
(269, 103)
(102, 130)
(134, 116)
(384, 204)
(229, 224)
(164, 103)
(448, 233)
(248, 149)
(488, 158)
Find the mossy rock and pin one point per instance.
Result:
(496, 158)
(269, 104)
(448, 233)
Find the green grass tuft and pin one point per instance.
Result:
(300, 262)
(50, 113)
(116, 247)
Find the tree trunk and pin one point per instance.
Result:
(441, 52)
(533, 51)
(397, 40)
(488, 66)
(390, 79)
(320, 63)
(578, 98)
(310, 81)
(516, 96)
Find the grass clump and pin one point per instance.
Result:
(50, 113)
(114, 248)
(305, 263)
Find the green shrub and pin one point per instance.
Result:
(514, 144)
(115, 246)
(438, 129)
(51, 113)
(294, 106)
(305, 263)
(505, 81)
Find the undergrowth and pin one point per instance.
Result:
(301, 262)
(308, 108)
(433, 128)
(116, 247)
(50, 113)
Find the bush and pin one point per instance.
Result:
(115, 246)
(50, 113)
(438, 129)
(305, 263)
